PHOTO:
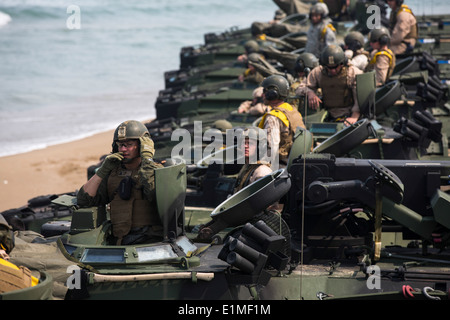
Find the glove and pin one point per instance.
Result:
(110, 162)
(147, 147)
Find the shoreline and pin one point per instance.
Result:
(54, 169)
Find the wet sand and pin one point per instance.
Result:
(56, 169)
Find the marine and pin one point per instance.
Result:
(403, 27)
(382, 59)
(125, 181)
(321, 32)
(282, 121)
(337, 79)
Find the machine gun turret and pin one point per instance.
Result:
(338, 201)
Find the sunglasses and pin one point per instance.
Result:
(332, 67)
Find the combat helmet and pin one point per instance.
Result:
(279, 14)
(275, 87)
(306, 60)
(130, 129)
(254, 57)
(332, 55)
(354, 40)
(251, 46)
(381, 35)
(319, 8)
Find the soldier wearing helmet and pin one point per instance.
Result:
(255, 107)
(304, 63)
(382, 59)
(251, 75)
(282, 120)
(321, 32)
(354, 50)
(250, 46)
(403, 27)
(254, 167)
(125, 181)
(252, 170)
(337, 79)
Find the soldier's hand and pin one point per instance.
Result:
(110, 162)
(147, 147)
(313, 100)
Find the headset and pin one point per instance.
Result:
(384, 40)
(272, 93)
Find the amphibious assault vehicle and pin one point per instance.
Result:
(349, 228)
(364, 214)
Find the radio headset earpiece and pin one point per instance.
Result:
(272, 94)
(384, 40)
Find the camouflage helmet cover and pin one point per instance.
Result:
(306, 60)
(319, 8)
(276, 83)
(332, 55)
(254, 57)
(251, 46)
(354, 36)
(376, 34)
(130, 129)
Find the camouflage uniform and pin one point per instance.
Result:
(320, 36)
(383, 62)
(321, 33)
(403, 29)
(339, 100)
(281, 123)
(130, 192)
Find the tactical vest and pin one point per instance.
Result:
(14, 278)
(292, 119)
(336, 93)
(388, 53)
(134, 212)
(413, 33)
(245, 173)
(296, 103)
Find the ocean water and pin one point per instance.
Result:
(59, 83)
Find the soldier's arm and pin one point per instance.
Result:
(93, 193)
(401, 29)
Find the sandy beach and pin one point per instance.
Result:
(53, 170)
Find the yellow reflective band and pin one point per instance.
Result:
(385, 53)
(34, 280)
(324, 30)
(262, 37)
(404, 8)
(279, 114)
